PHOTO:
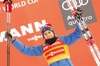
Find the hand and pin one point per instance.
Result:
(79, 11)
(9, 1)
(8, 36)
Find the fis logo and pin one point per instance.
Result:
(88, 15)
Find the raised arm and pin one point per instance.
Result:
(73, 37)
(31, 51)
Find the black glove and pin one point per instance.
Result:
(79, 11)
(8, 36)
(7, 1)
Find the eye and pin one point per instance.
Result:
(45, 33)
(49, 32)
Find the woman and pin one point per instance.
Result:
(54, 49)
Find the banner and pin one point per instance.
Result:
(69, 21)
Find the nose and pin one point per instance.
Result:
(48, 35)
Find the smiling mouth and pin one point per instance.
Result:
(49, 38)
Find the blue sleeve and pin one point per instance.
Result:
(73, 37)
(31, 51)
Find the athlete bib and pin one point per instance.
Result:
(55, 52)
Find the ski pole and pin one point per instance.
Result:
(8, 9)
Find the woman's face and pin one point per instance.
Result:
(48, 34)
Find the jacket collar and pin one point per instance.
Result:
(48, 43)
